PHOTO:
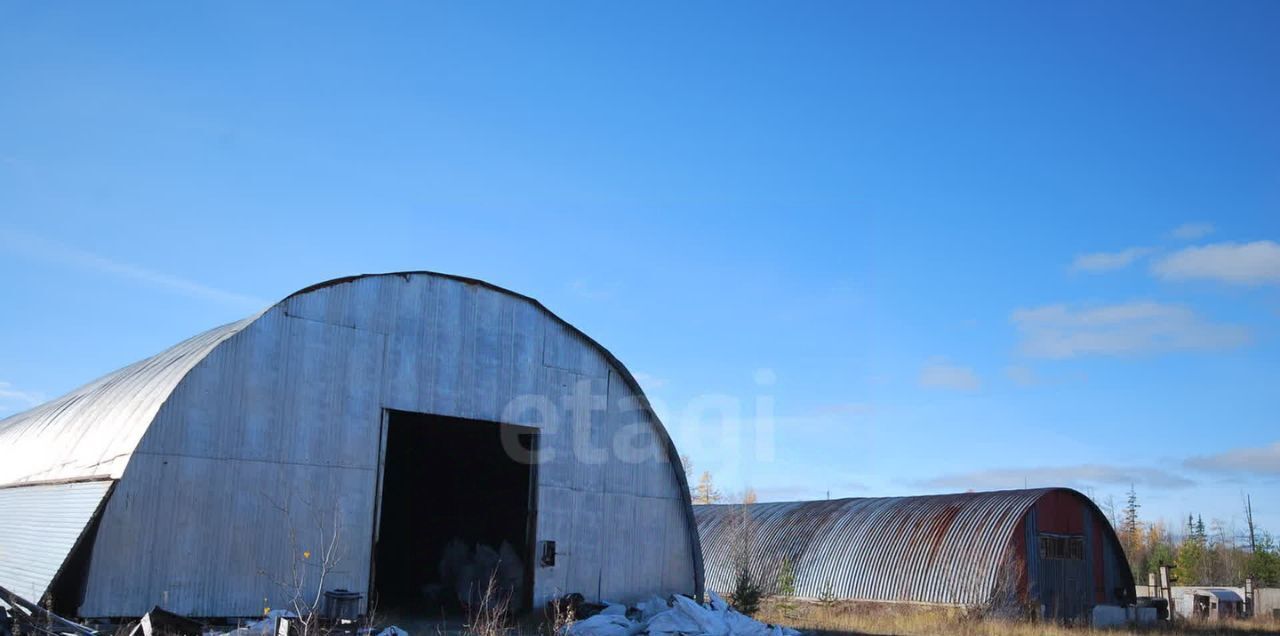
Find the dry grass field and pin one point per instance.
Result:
(890, 620)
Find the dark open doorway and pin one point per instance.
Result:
(457, 504)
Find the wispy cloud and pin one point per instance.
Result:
(1062, 331)
(43, 249)
(1027, 376)
(938, 373)
(1077, 476)
(1255, 263)
(649, 382)
(1108, 261)
(1022, 375)
(1191, 231)
(1261, 460)
(12, 398)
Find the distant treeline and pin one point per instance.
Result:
(1216, 553)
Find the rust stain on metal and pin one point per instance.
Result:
(931, 549)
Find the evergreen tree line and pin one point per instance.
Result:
(1217, 553)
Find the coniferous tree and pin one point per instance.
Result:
(1130, 525)
(1192, 560)
(746, 592)
(1131, 532)
(785, 586)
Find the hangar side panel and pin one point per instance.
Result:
(224, 552)
(275, 430)
(41, 525)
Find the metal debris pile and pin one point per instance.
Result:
(20, 616)
(676, 616)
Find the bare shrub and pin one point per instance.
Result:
(1007, 598)
(309, 570)
(559, 617)
(489, 616)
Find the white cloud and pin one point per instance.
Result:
(13, 397)
(1264, 460)
(938, 373)
(1253, 263)
(1191, 231)
(1061, 331)
(1022, 375)
(44, 249)
(649, 382)
(1077, 476)
(1107, 261)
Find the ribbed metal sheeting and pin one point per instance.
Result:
(39, 525)
(944, 549)
(92, 431)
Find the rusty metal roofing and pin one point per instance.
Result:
(943, 549)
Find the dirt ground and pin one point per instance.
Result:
(905, 620)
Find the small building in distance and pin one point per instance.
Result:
(1210, 603)
(1049, 549)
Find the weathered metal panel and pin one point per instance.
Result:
(290, 402)
(676, 569)
(1032, 554)
(586, 546)
(941, 549)
(563, 348)
(620, 541)
(646, 566)
(556, 513)
(934, 549)
(217, 455)
(222, 536)
(39, 526)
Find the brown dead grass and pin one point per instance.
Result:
(912, 620)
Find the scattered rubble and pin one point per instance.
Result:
(161, 622)
(677, 616)
(23, 616)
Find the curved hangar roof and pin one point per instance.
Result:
(944, 549)
(61, 461)
(91, 432)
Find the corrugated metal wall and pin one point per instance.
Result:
(39, 525)
(290, 409)
(933, 549)
(945, 549)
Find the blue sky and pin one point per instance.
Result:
(947, 246)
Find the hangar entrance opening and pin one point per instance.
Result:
(457, 505)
